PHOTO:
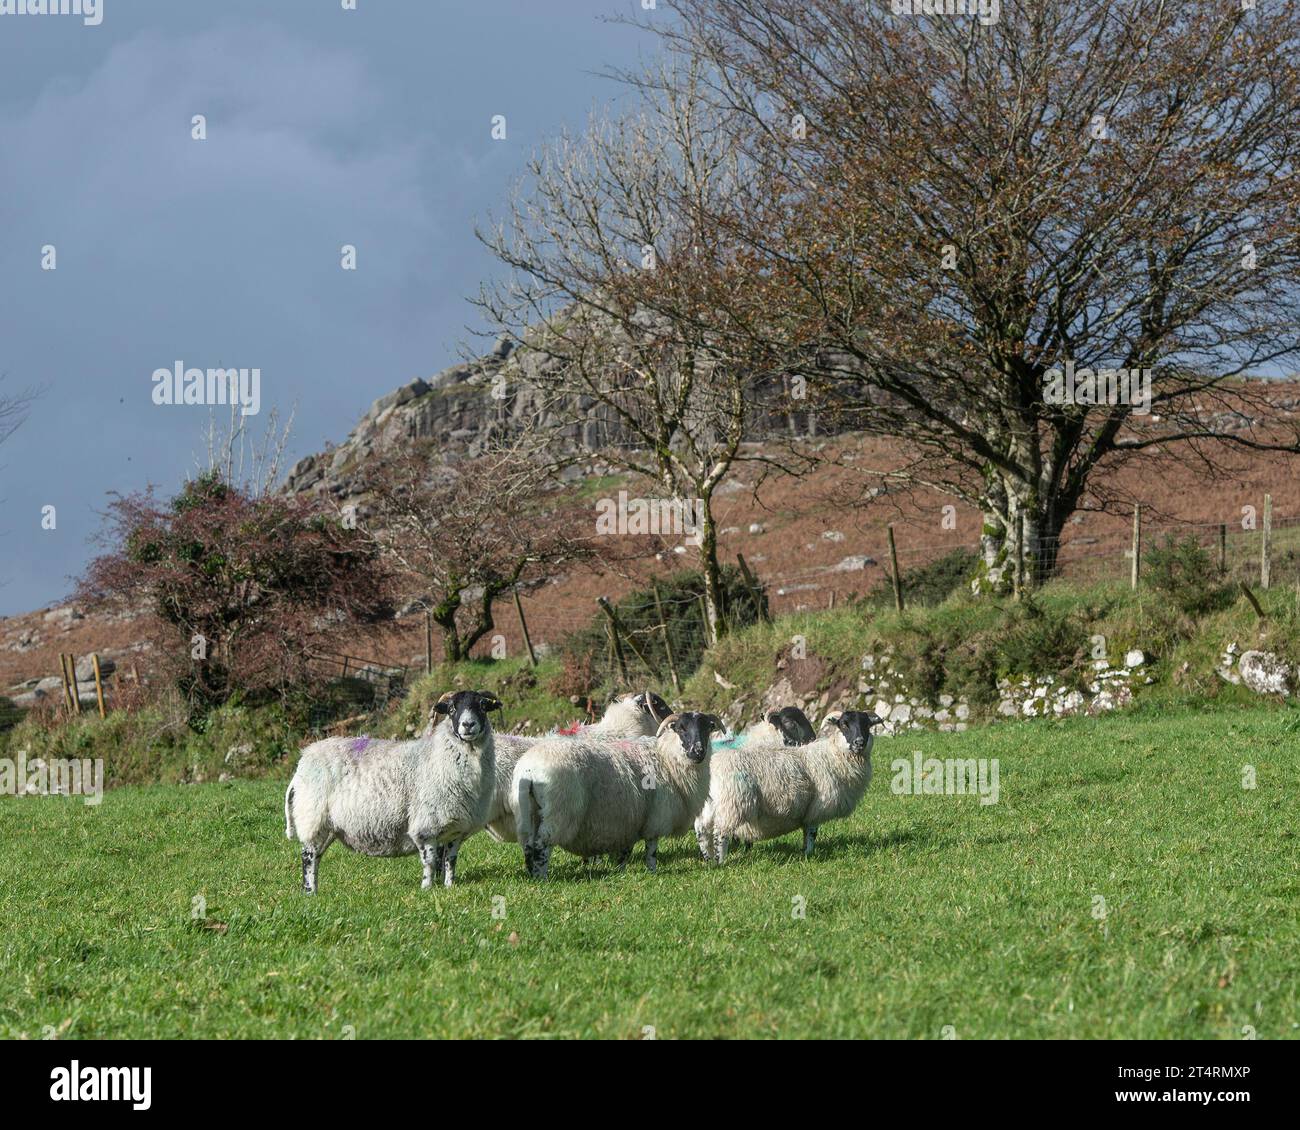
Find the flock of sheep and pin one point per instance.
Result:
(639, 774)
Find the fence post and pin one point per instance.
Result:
(763, 613)
(72, 678)
(625, 634)
(1137, 544)
(1223, 547)
(1265, 566)
(99, 684)
(614, 640)
(428, 642)
(523, 627)
(893, 568)
(63, 673)
(668, 643)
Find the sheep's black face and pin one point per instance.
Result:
(693, 732)
(793, 725)
(467, 712)
(653, 705)
(856, 725)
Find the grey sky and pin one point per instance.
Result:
(325, 127)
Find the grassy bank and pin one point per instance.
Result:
(961, 647)
(920, 911)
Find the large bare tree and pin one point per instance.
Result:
(939, 213)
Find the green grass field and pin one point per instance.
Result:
(920, 912)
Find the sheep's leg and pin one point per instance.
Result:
(651, 854)
(809, 840)
(449, 854)
(720, 843)
(310, 863)
(621, 860)
(704, 839)
(431, 857)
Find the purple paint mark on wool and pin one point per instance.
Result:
(359, 745)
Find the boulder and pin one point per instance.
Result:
(1265, 673)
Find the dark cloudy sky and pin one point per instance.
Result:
(325, 127)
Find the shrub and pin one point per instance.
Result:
(241, 586)
(1182, 571)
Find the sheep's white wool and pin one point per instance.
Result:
(623, 718)
(759, 792)
(594, 797)
(391, 798)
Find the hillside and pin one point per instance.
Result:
(811, 541)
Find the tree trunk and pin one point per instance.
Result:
(1020, 539)
(708, 550)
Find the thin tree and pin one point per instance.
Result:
(624, 295)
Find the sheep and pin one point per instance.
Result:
(759, 792)
(397, 797)
(628, 717)
(788, 726)
(592, 797)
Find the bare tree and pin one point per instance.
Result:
(464, 534)
(625, 288)
(943, 214)
(13, 411)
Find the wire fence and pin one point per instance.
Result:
(658, 636)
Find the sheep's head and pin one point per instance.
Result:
(793, 725)
(855, 727)
(653, 705)
(692, 732)
(467, 712)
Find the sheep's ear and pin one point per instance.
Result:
(715, 723)
(443, 705)
(488, 701)
(774, 717)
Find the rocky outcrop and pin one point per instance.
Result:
(467, 406)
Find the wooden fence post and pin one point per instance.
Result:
(1223, 547)
(99, 684)
(428, 642)
(625, 635)
(523, 627)
(763, 613)
(615, 642)
(72, 678)
(668, 643)
(63, 674)
(1265, 565)
(893, 568)
(1137, 545)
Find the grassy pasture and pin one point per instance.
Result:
(919, 912)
